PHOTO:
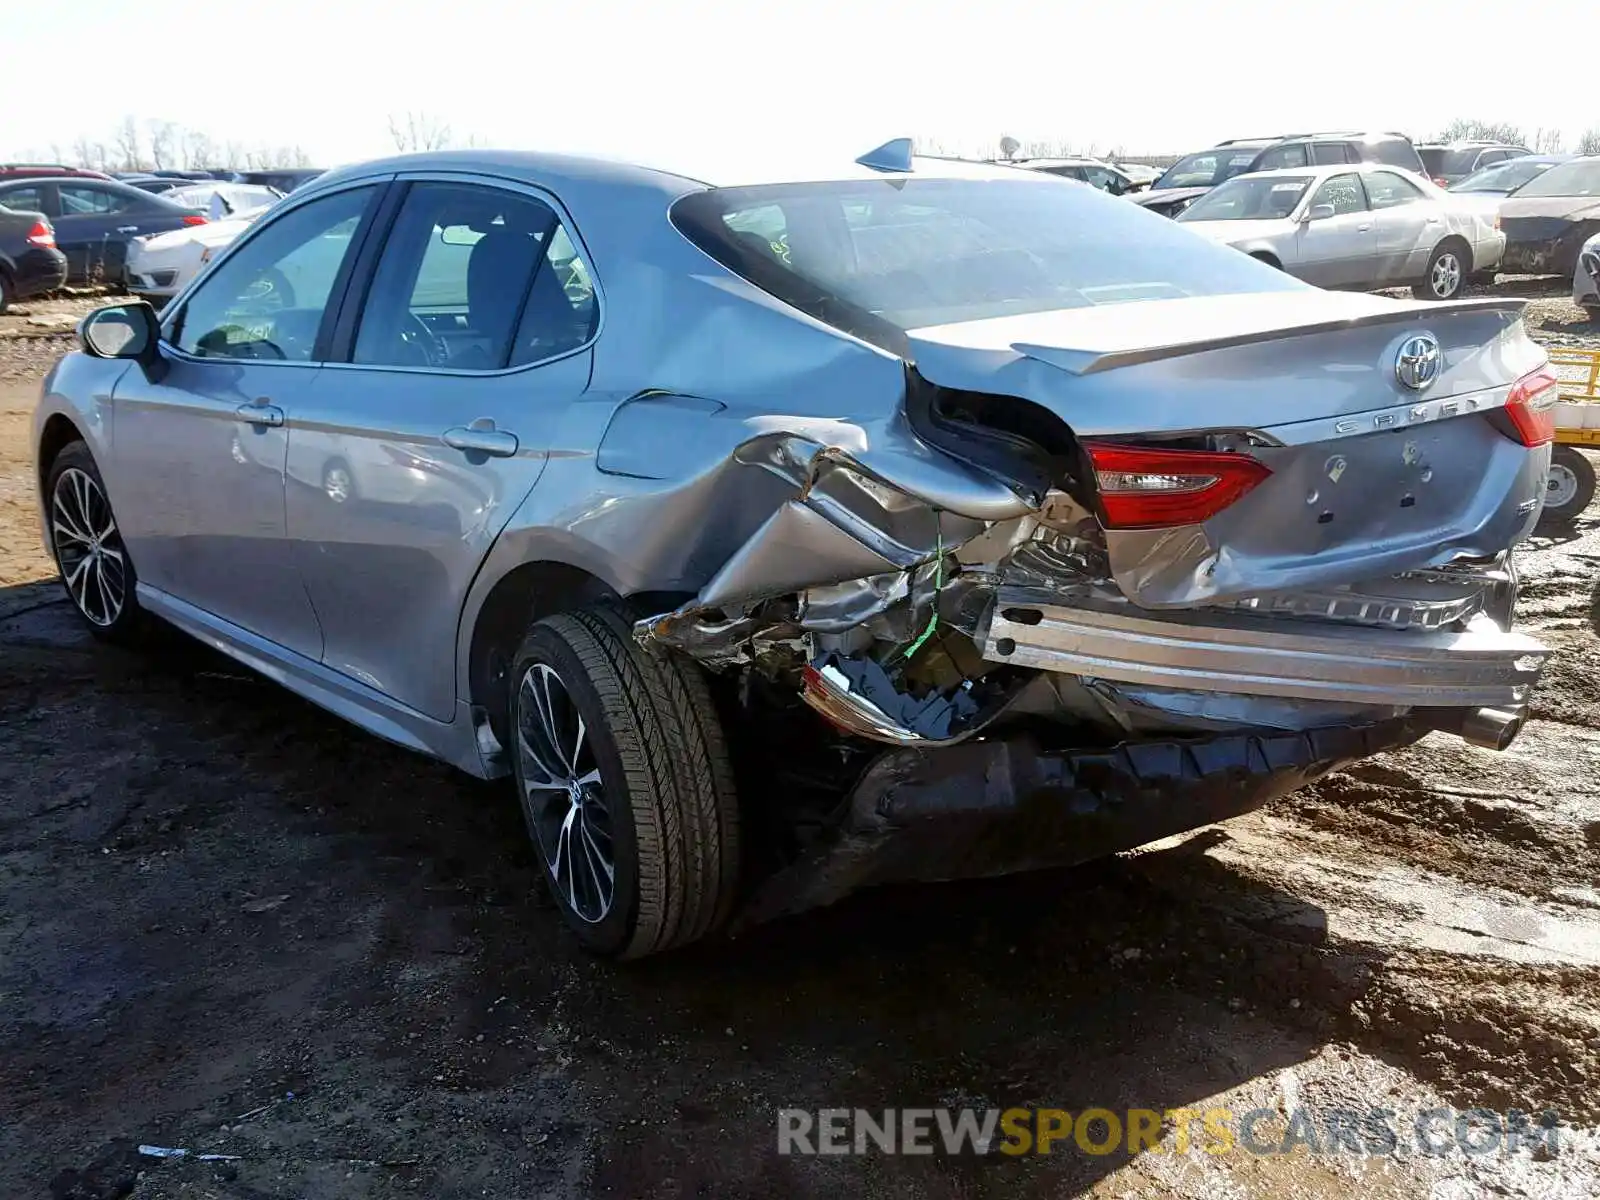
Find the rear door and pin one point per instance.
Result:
(1407, 225)
(1341, 250)
(461, 357)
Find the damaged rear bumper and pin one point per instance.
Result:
(1479, 666)
(996, 807)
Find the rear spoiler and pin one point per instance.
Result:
(1092, 362)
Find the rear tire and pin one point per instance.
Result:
(1569, 490)
(7, 293)
(636, 780)
(88, 548)
(1449, 266)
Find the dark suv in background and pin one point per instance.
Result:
(1451, 162)
(1195, 174)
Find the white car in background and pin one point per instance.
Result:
(1357, 226)
(161, 266)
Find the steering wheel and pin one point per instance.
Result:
(422, 341)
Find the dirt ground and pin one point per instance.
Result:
(231, 924)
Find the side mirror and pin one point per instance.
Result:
(124, 331)
(1319, 212)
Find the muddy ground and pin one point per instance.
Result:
(231, 924)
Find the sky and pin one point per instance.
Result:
(650, 80)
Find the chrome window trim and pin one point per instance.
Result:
(544, 196)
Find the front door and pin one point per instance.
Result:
(199, 453)
(406, 462)
(1341, 250)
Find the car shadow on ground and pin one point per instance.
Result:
(220, 895)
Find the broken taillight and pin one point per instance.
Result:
(1531, 406)
(42, 235)
(1149, 487)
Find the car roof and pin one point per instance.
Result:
(1322, 170)
(743, 169)
(1469, 144)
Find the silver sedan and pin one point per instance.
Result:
(1353, 226)
(783, 528)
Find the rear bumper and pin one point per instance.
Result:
(998, 807)
(1481, 667)
(38, 271)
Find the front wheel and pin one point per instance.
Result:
(88, 546)
(1568, 488)
(625, 784)
(1446, 275)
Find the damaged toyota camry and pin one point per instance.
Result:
(786, 531)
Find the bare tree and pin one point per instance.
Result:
(1471, 129)
(163, 142)
(83, 151)
(1009, 147)
(1546, 141)
(129, 145)
(418, 131)
(198, 149)
(233, 155)
(1589, 143)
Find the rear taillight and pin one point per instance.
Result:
(42, 235)
(194, 219)
(1532, 407)
(1441, 181)
(1150, 487)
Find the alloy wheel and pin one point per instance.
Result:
(88, 547)
(1446, 276)
(563, 794)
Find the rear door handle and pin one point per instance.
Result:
(127, 229)
(498, 443)
(265, 415)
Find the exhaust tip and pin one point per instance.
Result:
(1492, 728)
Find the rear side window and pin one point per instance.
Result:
(878, 257)
(1385, 190)
(1329, 153)
(24, 199)
(475, 279)
(1394, 152)
(1293, 155)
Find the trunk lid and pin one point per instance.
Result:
(1369, 476)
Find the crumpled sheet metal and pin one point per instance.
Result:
(997, 807)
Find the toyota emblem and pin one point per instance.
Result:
(1417, 364)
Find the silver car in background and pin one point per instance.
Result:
(970, 519)
(1586, 278)
(1353, 226)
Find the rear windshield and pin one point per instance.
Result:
(1208, 168)
(1250, 198)
(877, 257)
(1441, 161)
(1566, 179)
(1507, 177)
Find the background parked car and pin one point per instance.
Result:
(1194, 174)
(40, 170)
(1446, 162)
(161, 266)
(30, 264)
(1548, 219)
(284, 179)
(1103, 175)
(155, 184)
(94, 219)
(219, 200)
(1362, 226)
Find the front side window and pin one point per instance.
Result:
(80, 201)
(1386, 190)
(475, 279)
(879, 256)
(1343, 192)
(1293, 155)
(267, 299)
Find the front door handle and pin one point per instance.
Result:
(260, 414)
(497, 443)
(127, 229)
